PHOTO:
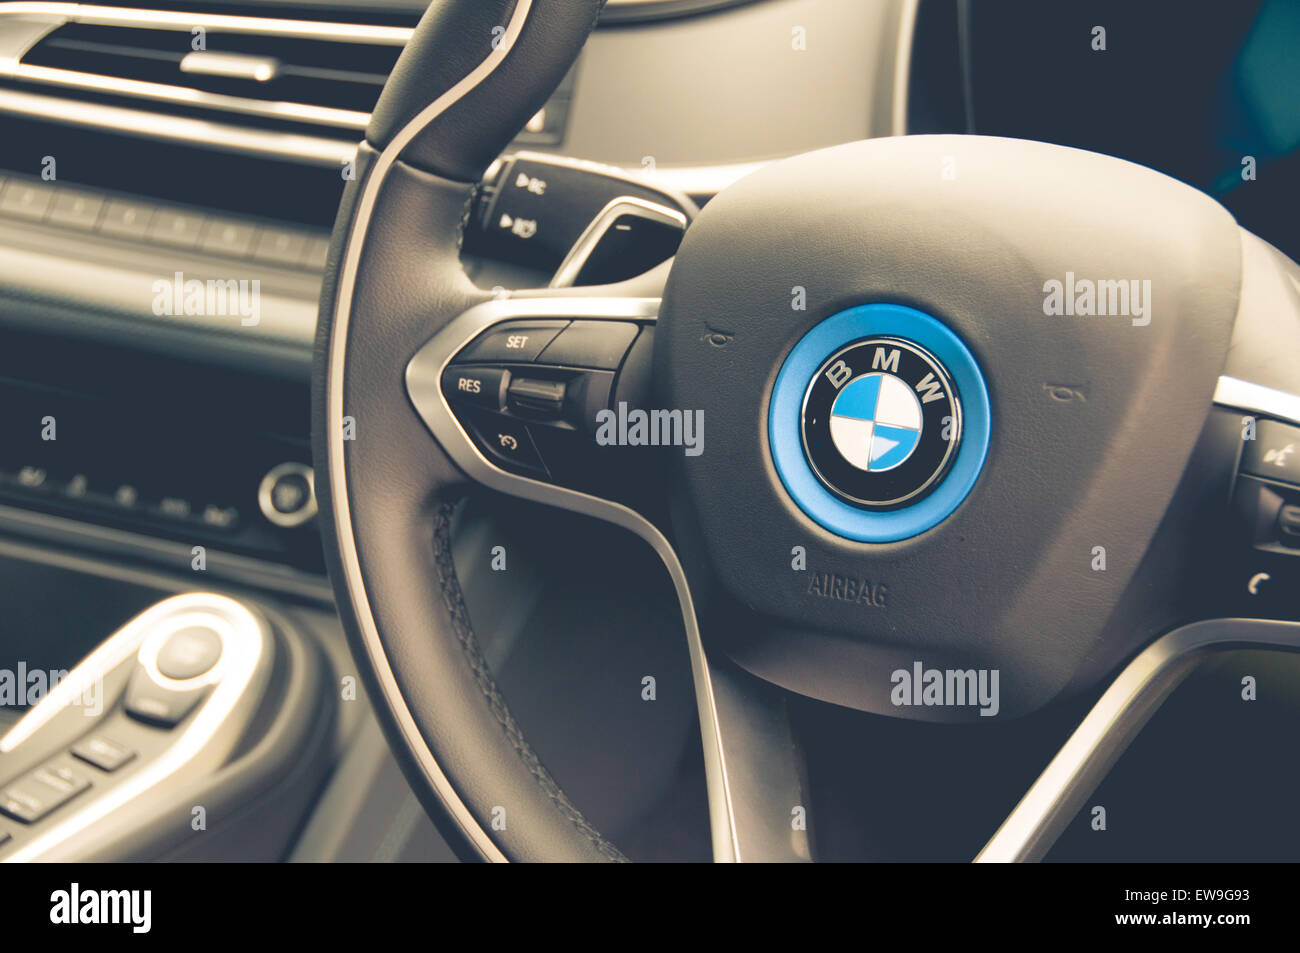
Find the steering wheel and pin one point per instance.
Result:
(967, 402)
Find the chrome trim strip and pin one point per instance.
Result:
(259, 69)
(423, 377)
(19, 34)
(1065, 784)
(567, 274)
(337, 475)
(1243, 395)
(187, 96)
(180, 129)
(242, 672)
(93, 14)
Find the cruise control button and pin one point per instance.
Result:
(599, 344)
(536, 398)
(505, 441)
(1274, 453)
(484, 386)
(514, 341)
(1288, 525)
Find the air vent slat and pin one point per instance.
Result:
(331, 82)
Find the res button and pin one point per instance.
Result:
(481, 386)
(514, 341)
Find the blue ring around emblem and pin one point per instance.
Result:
(784, 424)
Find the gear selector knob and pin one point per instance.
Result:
(189, 652)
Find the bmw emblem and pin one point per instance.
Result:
(881, 422)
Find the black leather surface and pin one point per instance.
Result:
(453, 37)
(400, 484)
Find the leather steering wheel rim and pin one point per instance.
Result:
(470, 77)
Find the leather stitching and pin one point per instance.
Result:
(454, 601)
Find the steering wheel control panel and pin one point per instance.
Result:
(580, 222)
(532, 394)
(1266, 501)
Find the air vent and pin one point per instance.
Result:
(331, 82)
(315, 82)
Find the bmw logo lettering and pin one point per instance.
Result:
(881, 422)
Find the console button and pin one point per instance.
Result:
(599, 344)
(177, 229)
(505, 441)
(484, 386)
(26, 201)
(189, 652)
(1274, 453)
(316, 253)
(75, 209)
(35, 795)
(102, 753)
(125, 219)
(278, 246)
(518, 341)
(287, 494)
(220, 517)
(225, 237)
(149, 702)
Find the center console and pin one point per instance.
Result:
(202, 719)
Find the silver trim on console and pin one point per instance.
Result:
(1065, 784)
